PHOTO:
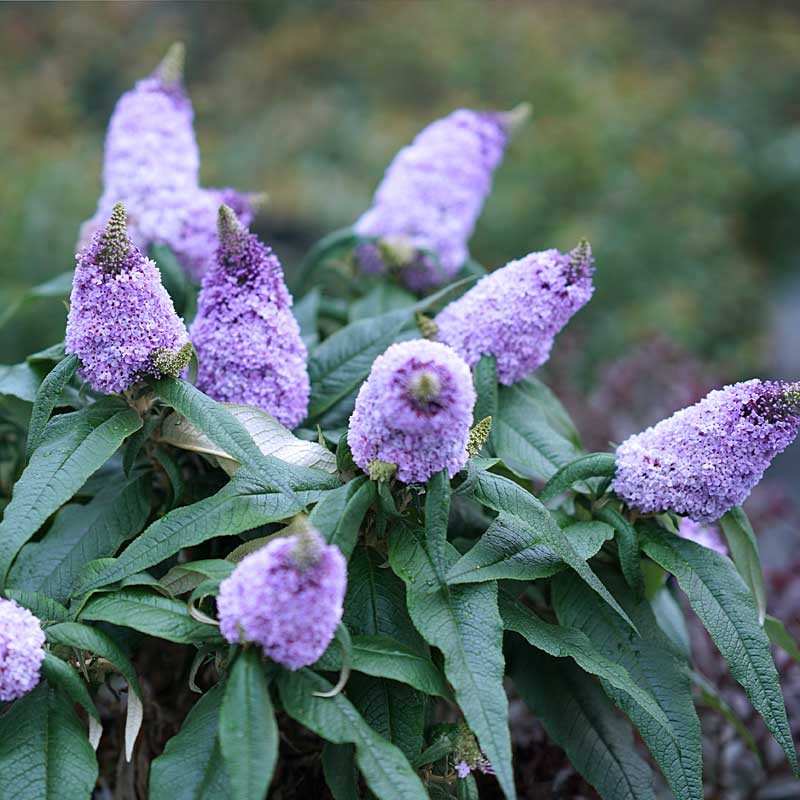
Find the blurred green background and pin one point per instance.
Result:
(668, 133)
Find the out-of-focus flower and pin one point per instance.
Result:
(414, 411)
(21, 650)
(152, 167)
(248, 343)
(705, 459)
(286, 597)
(515, 312)
(707, 535)
(122, 324)
(426, 206)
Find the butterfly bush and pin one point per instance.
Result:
(704, 460)
(286, 597)
(427, 204)
(515, 312)
(152, 167)
(122, 324)
(21, 650)
(247, 340)
(414, 411)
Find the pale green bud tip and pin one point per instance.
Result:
(172, 363)
(425, 386)
(381, 470)
(115, 244)
(792, 394)
(228, 223)
(308, 542)
(170, 70)
(581, 256)
(426, 325)
(396, 251)
(478, 436)
(466, 745)
(517, 117)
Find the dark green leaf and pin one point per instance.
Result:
(501, 494)
(484, 376)
(44, 751)
(509, 550)
(385, 297)
(339, 514)
(437, 516)
(306, 312)
(339, 768)
(172, 275)
(384, 767)
(627, 545)
(60, 674)
(744, 552)
(46, 398)
(74, 446)
(464, 623)
(79, 534)
(580, 718)
(531, 432)
(656, 667)
(725, 605)
(778, 635)
(595, 465)
(42, 606)
(186, 577)
(149, 613)
(19, 380)
(248, 733)
(246, 502)
(173, 473)
(191, 766)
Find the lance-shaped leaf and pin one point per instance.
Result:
(595, 465)
(744, 552)
(484, 376)
(725, 605)
(73, 447)
(44, 751)
(464, 623)
(59, 673)
(437, 516)
(339, 514)
(386, 771)
(656, 667)
(46, 398)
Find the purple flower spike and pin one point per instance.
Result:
(414, 411)
(286, 597)
(122, 324)
(515, 312)
(21, 650)
(704, 460)
(429, 200)
(152, 167)
(709, 536)
(248, 343)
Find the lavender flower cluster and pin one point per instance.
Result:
(426, 207)
(705, 459)
(287, 597)
(414, 411)
(152, 166)
(21, 650)
(121, 320)
(247, 340)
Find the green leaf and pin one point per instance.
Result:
(464, 623)
(60, 674)
(385, 297)
(384, 657)
(47, 609)
(561, 642)
(669, 616)
(210, 417)
(341, 363)
(74, 446)
(46, 398)
(191, 766)
(173, 472)
(532, 432)
(339, 768)
(306, 312)
(384, 767)
(744, 552)
(19, 380)
(501, 494)
(186, 577)
(437, 516)
(656, 667)
(627, 545)
(44, 751)
(484, 376)
(580, 719)
(149, 613)
(779, 636)
(271, 438)
(509, 550)
(339, 514)
(79, 534)
(173, 276)
(595, 465)
(726, 608)
(248, 733)
(246, 502)
(84, 637)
